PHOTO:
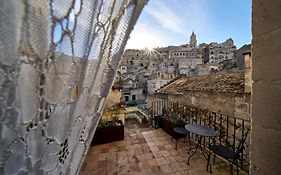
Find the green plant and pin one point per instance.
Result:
(115, 121)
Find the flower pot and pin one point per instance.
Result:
(108, 134)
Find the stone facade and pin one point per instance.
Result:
(155, 84)
(239, 56)
(135, 94)
(220, 52)
(230, 105)
(266, 121)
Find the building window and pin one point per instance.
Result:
(126, 98)
(134, 97)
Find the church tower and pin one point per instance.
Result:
(193, 41)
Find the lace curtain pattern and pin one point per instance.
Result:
(58, 59)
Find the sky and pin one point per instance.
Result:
(171, 22)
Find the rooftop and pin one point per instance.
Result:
(146, 151)
(230, 83)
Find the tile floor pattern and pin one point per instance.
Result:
(146, 151)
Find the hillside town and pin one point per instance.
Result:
(144, 72)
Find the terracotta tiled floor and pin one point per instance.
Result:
(146, 151)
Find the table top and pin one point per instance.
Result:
(201, 130)
(180, 130)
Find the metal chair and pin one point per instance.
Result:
(180, 132)
(155, 121)
(230, 154)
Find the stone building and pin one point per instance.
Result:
(218, 52)
(239, 57)
(122, 69)
(160, 65)
(155, 84)
(224, 93)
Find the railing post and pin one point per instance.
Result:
(234, 134)
(242, 158)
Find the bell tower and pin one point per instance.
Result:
(193, 41)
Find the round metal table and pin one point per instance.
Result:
(201, 132)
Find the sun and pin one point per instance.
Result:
(150, 51)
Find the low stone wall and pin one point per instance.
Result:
(227, 104)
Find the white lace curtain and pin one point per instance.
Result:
(58, 59)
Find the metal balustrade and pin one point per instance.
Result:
(230, 128)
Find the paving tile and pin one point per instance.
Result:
(169, 146)
(156, 169)
(166, 153)
(152, 162)
(157, 154)
(161, 160)
(102, 164)
(176, 167)
(144, 165)
(146, 151)
(154, 149)
(145, 172)
(170, 159)
(161, 147)
(148, 156)
(166, 169)
(101, 171)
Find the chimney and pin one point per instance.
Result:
(248, 71)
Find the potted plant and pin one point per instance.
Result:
(168, 122)
(108, 131)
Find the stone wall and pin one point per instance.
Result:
(231, 105)
(266, 98)
(138, 93)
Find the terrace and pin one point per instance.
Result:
(147, 149)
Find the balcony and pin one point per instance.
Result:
(146, 150)
(230, 129)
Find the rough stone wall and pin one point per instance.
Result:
(235, 106)
(138, 93)
(266, 101)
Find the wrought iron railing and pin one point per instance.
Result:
(230, 129)
(135, 102)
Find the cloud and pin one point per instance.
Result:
(144, 36)
(167, 22)
(165, 16)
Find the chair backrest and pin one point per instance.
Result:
(241, 144)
